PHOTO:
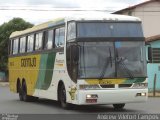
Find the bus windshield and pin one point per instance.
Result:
(125, 59)
(109, 29)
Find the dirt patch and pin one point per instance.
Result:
(156, 95)
(4, 84)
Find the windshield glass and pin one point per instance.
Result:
(130, 59)
(109, 29)
(111, 60)
(95, 57)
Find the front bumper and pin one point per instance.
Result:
(113, 96)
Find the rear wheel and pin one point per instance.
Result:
(19, 90)
(24, 93)
(118, 106)
(62, 97)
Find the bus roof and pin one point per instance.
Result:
(38, 27)
(100, 16)
(59, 21)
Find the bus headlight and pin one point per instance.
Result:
(141, 94)
(140, 85)
(91, 96)
(82, 87)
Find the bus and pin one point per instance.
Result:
(81, 60)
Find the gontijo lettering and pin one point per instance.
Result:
(28, 62)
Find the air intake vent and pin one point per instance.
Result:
(108, 86)
(124, 85)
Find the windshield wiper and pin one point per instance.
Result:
(121, 62)
(108, 60)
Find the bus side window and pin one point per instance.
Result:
(30, 43)
(48, 39)
(38, 42)
(71, 33)
(22, 44)
(59, 37)
(15, 46)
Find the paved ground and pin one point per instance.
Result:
(9, 103)
(2, 84)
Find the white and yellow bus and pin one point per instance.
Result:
(82, 60)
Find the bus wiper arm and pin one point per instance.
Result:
(108, 60)
(121, 62)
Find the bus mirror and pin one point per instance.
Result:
(149, 54)
(75, 53)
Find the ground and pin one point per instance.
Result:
(9, 103)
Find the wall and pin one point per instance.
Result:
(150, 16)
(152, 69)
(2, 76)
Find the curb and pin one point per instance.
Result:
(157, 94)
(4, 84)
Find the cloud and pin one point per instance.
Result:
(72, 3)
(14, 2)
(42, 16)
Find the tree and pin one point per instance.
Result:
(16, 24)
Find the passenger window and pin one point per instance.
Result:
(38, 42)
(22, 44)
(15, 46)
(30, 43)
(59, 37)
(71, 34)
(49, 40)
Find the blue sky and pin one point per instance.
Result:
(37, 11)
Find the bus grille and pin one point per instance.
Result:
(124, 85)
(108, 86)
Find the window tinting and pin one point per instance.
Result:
(110, 59)
(59, 37)
(95, 59)
(49, 41)
(15, 46)
(22, 44)
(109, 30)
(38, 42)
(131, 63)
(30, 43)
(71, 33)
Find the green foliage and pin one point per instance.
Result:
(16, 24)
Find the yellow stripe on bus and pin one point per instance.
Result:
(105, 81)
(24, 67)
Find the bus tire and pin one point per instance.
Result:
(118, 106)
(19, 90)
(26, 98)
(62, 97)
(33, 99)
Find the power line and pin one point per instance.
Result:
(23, 9)
(105, 10)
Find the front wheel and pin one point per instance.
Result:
(63, 102)
(118, 106)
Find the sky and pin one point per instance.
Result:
(38, 11)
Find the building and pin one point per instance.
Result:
(149, 13)
(153, 66)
